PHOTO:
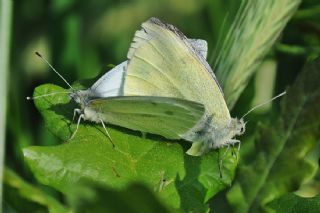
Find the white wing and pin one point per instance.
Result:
(163, 62)
(200, 45)
(110, 84)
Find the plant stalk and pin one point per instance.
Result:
(5, 33)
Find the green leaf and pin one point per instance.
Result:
(181, 181)
(279, 164)
(22, 196)
(92, 197)
(295, 204)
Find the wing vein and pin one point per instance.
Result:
(145, 80)
(156, 114)
(163, 73)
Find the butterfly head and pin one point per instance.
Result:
(235, 128)
(240, 126)
(81, 97)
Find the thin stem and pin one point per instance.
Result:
(5, 33)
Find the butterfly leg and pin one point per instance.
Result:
(78, 123)
(104, 126)
(233, 152)
(234, 141)
(225, 153)
(144, 135)
(75, 112)
(239, 146)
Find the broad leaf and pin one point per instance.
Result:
(91, 197)
(278, 164)
(294, 204)
(181, 181)
(21, 196)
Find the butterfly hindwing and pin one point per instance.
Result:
(169, 117)
(110, 84)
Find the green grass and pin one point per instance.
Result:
(5, 38)
(80, 40)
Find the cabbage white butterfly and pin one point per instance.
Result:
(163, 62)
(169, 117)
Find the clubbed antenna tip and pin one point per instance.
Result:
(38, 54)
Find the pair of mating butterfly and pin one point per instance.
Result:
(166, 88)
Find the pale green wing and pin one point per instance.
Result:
(162, 62)
(169, 117)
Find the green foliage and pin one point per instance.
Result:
(181, 181)
(84, 196)
(5, 38)
(294, 204)
(278, 164)
(253, 32)
(22, 196)
(80, 38)
(90, 197)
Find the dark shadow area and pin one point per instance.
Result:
(65, 110)
(189, 188)
(219, 203)
(90, 196)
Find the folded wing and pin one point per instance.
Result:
(168, 117)
(110, 84)
(163, 62)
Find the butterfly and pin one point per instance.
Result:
(163, 62)
(101, 103)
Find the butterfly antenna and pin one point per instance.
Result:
(268, 101)
(45, 60)
(45, 95)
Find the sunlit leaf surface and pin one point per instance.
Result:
(181, 181)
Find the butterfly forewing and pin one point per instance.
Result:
(165, 64)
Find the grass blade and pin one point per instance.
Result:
(5, 29)
(255, 29)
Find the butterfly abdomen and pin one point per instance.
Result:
(207, 135)
(91, 115)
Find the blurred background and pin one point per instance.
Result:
(83, 38)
